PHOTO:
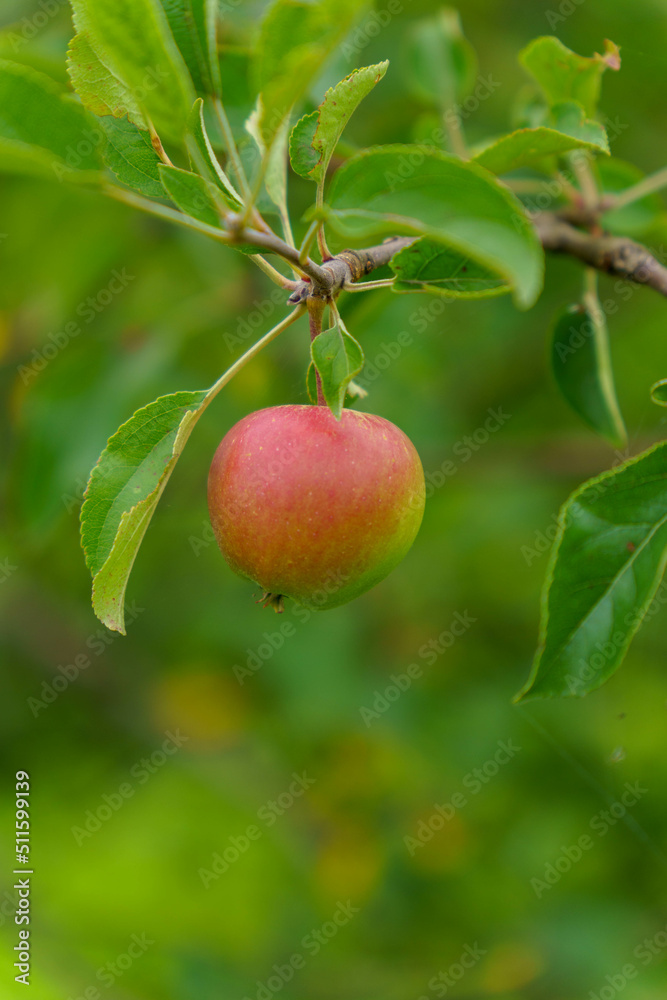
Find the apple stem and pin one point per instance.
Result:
(315, 310)
(275, 601)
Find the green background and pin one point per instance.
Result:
(344, 839)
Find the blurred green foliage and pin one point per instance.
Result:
(480, 551)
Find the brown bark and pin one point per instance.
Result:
(616, 255)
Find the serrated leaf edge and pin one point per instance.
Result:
(525, 691)
(117, 622)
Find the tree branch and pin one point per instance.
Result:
(238, 233)
(348, 267)
(616, 255)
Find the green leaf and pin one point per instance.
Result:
(565, 76)
(569, 118)
(275, 171)
(311, 384)
(426, 192)
(191, 193)
(204, 158)
(353, 393)
(43, 131)
(303, 157)
(132, 40)
(200, 199)
(582, 367)
(441, 63)
(427, 266)
(130, 155)
(639, 216)
(193, 25)
(320, 131)
(130, 476)
(100, 91)
(529, 109)
(338, 357)
(129, 479)
(123, 491)
(606, 564)
(296, 38)
(528, 146)
(275, 178)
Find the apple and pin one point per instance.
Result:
(314, 508)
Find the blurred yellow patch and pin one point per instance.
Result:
(4, 334)
(509, 967)
(362, 769)
(254, 380)
(446, 849)
(350, 863)
(18, 392)
(207, 706)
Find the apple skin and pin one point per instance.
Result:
(313, 508)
